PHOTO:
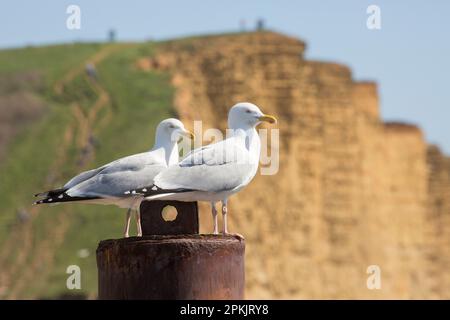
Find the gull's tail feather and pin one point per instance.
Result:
(51, 193)
(62, 197)
(41, 194)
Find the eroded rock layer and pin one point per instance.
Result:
(350, 192)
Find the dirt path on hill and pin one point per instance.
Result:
(58, 87)
(21, 243)
(21, 239)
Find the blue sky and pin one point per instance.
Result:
(409, 57)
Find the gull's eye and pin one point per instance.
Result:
(248, 111)
(171, 126)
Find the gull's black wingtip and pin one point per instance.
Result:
(139, 191)
(153, 190)
(62, 197)
(133, 192)
(51, 193)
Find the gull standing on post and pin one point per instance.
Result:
(108, 184)
(214, 172)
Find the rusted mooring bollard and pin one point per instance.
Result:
(171, 260)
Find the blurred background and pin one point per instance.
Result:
(363, 114)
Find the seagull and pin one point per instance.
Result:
(215, 172)
(107, 184)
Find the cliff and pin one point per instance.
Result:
(351, 191)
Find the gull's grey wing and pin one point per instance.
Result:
(136, 160)
(113, 183)
(222, 166)
(82, 177)
(114, 178)
(204, 177)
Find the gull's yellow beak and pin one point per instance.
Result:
(189, 134)
(268, 118)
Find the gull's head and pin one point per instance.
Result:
(245, 115)
(172, 129)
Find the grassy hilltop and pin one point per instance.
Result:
(81, 123)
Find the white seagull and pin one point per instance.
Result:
(108, 184)
(214, 172)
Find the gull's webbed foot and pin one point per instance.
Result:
(237, 235)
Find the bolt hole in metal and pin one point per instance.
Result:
(169, 213)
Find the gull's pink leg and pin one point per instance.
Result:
(214, 214)
(138, 223)
(224, 215)
(127, 225)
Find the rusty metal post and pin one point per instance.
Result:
(186, 221)
(177, 263)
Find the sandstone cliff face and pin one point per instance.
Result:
(350, 191)
(438, 222)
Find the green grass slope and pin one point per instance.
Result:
(128, 104)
